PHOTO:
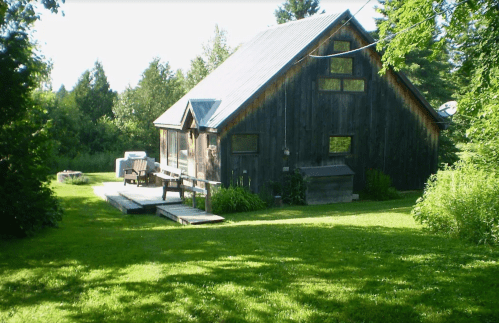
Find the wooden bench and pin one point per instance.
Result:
(194, 189)
(136, 173)
(171, 175)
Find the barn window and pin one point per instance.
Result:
(329, 84)
(340, 144)
(242, 144)
(341, 46)
(341, 65)
(353, 85)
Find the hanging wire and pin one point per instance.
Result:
(388, 38)
(344, 24)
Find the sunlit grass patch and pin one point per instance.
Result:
(357, 262)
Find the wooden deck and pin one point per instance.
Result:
(187, 215)
(131, 199)
(149, 201)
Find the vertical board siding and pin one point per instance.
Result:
(391, 130)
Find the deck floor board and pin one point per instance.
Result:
(187, 215)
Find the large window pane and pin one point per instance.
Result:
(172, 148)
(341, 65)
(244, 143)
(340, 145)
(183, 151)
(329, 84)
(353, 85)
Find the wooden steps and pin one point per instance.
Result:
(187, 215)
(124, 205)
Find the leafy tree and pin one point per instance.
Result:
(93, 99)
(472, 27)
(93, 94)
(61, 93)
(197, 73)
(136, 109)
(28, 204)
(432, 72)
(215, 52)
(296, 10)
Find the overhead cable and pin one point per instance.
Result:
(344, 24)
(388, 38)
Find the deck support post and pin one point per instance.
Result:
(207, 201)
(194, 194)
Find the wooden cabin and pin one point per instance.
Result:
(270, 108)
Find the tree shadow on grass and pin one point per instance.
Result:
(115, 268)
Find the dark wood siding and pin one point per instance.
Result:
(390, 129)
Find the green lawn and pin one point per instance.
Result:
(358, 262)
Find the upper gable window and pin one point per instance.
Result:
(354, 85)
(329, 84)
(341, 46)
(341, 65)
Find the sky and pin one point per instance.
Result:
(126, 35)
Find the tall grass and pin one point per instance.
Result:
(87, 163)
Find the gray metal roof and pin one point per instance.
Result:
(323, 171)
(254, 66)
(246, 72)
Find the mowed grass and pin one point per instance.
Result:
(357, 262)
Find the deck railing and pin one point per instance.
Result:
(174, 175)
(195, 189)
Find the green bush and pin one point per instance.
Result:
(230, 200)
(461, 201)
(294, 188)
(235, 199)
(200, 202)
(379, 186)
(82, 180)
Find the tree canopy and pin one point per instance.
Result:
(296, 10)
(136, 109)
(28, 204)
(472, 28)
(215, 52)
(462, 200)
